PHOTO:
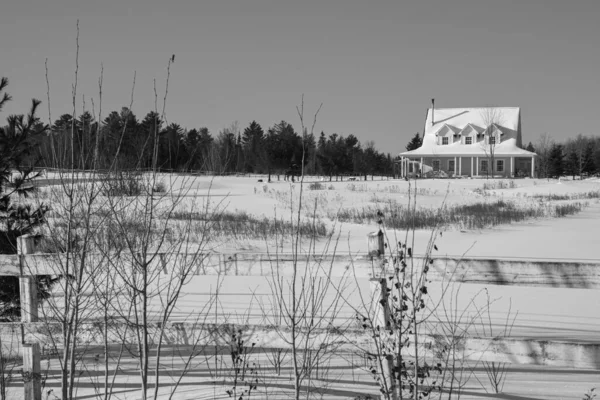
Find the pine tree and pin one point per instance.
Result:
(589, 166)
(571, 166)
(556, 161)
(530, 148)
(414, 143)
(16, 142)
(253, 145)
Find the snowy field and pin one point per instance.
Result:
(541, 313)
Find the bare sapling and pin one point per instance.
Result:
(395, 316)
(306, 303)
(155, 257)
(451, 330)
(496, 372)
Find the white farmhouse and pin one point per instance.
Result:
(474, 142)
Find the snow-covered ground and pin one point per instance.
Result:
(544, 314)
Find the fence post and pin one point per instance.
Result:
(29, 313)
(376, 248)
(379, 290)
(376, 244)
(31, 372)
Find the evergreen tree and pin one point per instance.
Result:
(145, 139)
(571, 165)
(284, 148)
(414, 143)
(530, 148)
(589, 166)
(16, 141)
(556, 161)
(253, 147)
(170, 150)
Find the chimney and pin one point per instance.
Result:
(432, 108)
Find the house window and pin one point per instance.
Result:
(436, 165)
(444, 140)
(451, 165)
(499, 165)
(410, 167)
(492, 140)
(469, 140)
(484, 165)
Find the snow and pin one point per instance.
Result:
(569, 315)
(457, 120)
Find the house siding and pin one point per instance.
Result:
(465, 162)
(456, 124)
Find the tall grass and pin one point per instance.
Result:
(501, 184)
(240, 225)
(594, 194)
(470, 216)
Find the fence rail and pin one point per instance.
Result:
(580, 274)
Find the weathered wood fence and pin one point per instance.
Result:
(521, 272)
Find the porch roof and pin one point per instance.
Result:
(507, 148)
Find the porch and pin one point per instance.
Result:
(500, 166)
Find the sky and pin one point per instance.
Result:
(374, 65)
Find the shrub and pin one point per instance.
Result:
(160, 187)
(353, 187)
(316, 186)
(123, 183)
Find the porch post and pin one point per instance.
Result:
(477, 166)
(403, 167)
(454, 167)
(459, 166)
(533, 167)
(472, 172)
(512, 163)
(421, 172)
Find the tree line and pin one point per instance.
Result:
(575, 157)
(124, 141)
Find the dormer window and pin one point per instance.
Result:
(492, 140)
(468, 140)
(444, 140)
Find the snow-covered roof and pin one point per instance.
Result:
(507, 120)
(444, 129)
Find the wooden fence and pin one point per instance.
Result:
(581, 274)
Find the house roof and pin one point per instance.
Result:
(506, 119)
(474, 127)
(449, 127)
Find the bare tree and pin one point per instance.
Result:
(493, 119)
(306, 305)
(542, 148)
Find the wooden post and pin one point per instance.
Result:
(472, 172)
(31, 372)
(29, 313)
(376, 244)
(379, 289)
(512, 167)
(29, 299)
